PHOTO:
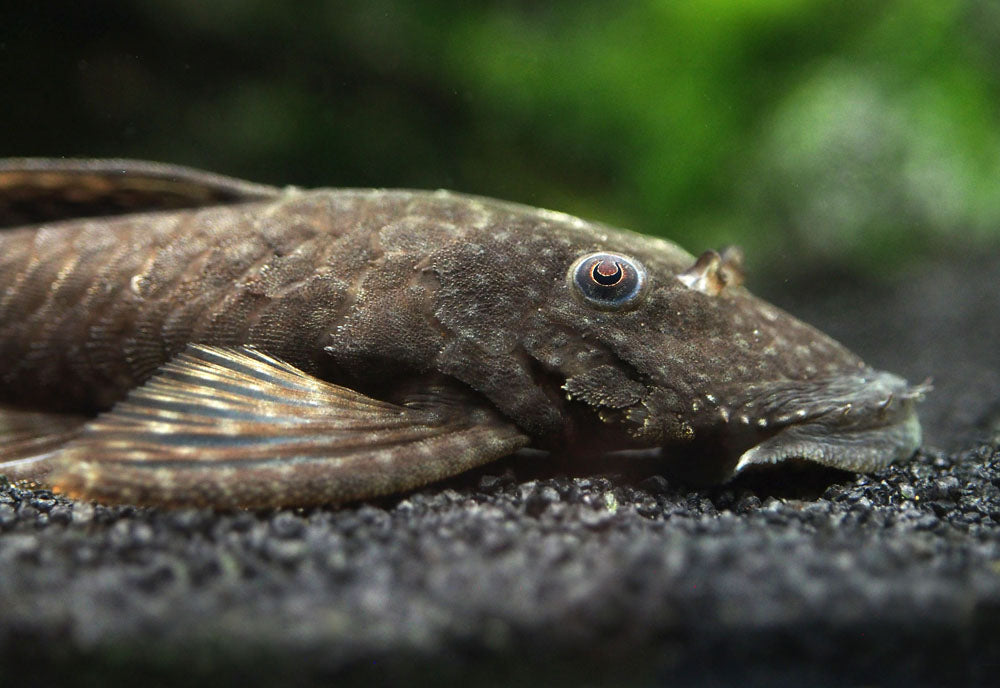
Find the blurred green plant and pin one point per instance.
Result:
(837, 129)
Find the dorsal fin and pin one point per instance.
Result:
(36, 190)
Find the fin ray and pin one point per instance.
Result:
(28, 440)
(34, 190)
(238, 428)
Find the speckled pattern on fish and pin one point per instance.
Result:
(250, 346)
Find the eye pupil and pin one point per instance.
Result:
(602, 274)
(607, 281)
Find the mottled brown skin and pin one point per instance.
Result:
(402, 294)
(356, 285)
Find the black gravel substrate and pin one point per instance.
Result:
(521, 574)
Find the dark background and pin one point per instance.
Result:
(806, 130)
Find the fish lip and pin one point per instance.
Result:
(864, 397)
(858, 421)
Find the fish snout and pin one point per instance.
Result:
(858, 421)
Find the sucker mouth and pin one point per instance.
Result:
(855, 449)
(859, 421)
(853, 422)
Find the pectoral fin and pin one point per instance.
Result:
(237, 428)
(28, 440)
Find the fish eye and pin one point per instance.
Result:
(608, 280)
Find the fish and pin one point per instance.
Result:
(170, 337)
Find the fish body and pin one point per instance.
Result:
(173, 337)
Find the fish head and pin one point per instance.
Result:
(647, 347)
